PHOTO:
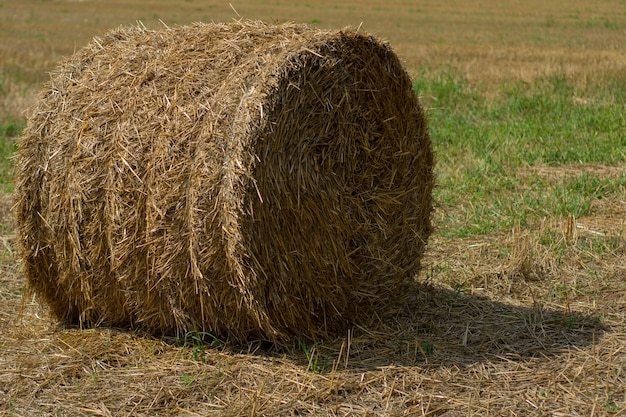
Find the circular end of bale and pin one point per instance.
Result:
(249, 180)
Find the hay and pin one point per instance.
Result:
(243, 179)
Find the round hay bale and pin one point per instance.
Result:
(243, 179)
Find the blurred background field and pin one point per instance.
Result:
(522, 310)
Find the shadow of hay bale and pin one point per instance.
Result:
(243, 179)
(444, 328)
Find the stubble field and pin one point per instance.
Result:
(522, 302)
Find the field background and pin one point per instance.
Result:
(522, 310)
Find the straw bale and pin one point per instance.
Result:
(244, 179)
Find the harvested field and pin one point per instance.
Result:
(521, 309)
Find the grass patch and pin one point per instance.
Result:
(482, 144)
(9, 130)
(197, 341)
(316, 363)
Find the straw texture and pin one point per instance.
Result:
(243, 179)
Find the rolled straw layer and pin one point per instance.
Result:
(243, 179)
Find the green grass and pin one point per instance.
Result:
(316, 363)
(482, 145)
(197, 342)
(9, 130)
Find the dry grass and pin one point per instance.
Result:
(501, 328)
(526, 322)
(497, 41)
